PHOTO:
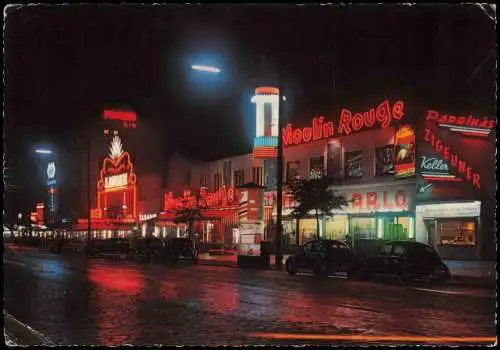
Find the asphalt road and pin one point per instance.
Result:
(114, 303)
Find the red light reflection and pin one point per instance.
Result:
(221, 297)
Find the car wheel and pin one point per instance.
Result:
(290, 266)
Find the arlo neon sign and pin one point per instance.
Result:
(459, 164)
(373, 200)
(349, 122)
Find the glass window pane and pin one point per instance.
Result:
(363, 228)
(336, 227)
(457, 232)
(396, 228)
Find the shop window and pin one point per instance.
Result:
(292, 170)
(307, 229)
(384, 160)
(316, 166)
(394, 228)
(457, 232)
(239, 177)
(354, 165)
(336, 227)
(363, 228)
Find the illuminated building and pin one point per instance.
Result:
(393, 170)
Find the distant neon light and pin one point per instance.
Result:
(126, 116)
(207, 69)
(43, 151)
(470, 126)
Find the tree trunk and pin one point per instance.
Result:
(317, 224)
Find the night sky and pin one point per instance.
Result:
(65, 64)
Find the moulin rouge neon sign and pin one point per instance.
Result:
(459, 164)
(349, 122)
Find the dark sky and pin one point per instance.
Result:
(65, 64)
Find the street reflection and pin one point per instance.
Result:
(116, 299)
(220, 297)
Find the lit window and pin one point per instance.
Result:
(354, 165)
(458, 232)
(316, 165)
(239, 177)
(258, 176)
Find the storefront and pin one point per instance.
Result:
(384, 211)
(452, 228)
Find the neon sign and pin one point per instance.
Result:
(218, 199)
(113, 181)
(404, 144)
(470, 126)
(380, 200)
(436, 168)
(128, 118)
(459, 164)
(117, 175)
(349, 122)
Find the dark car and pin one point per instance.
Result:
(407, 260)
(323, 257)
(109, 246)
(181, 249)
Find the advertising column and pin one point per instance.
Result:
(52, 190)
(251, 225)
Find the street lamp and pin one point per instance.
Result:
(43, 151)
(207, 69)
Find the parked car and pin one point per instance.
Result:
(109, 246)
(323, 257)
(407, 260)
(181, 249)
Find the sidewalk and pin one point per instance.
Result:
(465, 273)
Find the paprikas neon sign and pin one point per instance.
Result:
(349, 122)
(470, 126)
(456, 162)
(221, 198)
(117, 175)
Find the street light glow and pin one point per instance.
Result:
(43, 151)
(207, 69)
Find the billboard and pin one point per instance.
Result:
(404, 152)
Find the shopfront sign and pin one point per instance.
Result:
(404, 150)
(146, 217)
(219, 199)
(461, 166)
(469, 126)
(114, 181)
(349, 122)
(448, 210)
(380, 199)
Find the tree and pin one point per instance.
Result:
(188, 213)
(315, 195)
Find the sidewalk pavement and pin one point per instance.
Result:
(465, 273)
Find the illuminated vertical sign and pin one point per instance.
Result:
(404, 152)
(266, 101)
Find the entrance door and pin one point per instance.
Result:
(430, 225)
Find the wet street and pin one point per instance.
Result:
(113, 303)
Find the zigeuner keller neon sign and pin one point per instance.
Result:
(349, 123)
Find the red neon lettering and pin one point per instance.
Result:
(120, 115)
(328, 129)
(485, 123)
(439, 145)
(398, 110)
(287, 135)
(383, 114)
(432, 115)
(469, 173)
(401, 199)
(491, 124)
(371, 200)
(446, 153)
(443, 119)
(460, 121)
(474, 122)
(357, 121)
(452, 119)
(475, 180)
(454, 160)
(297, 136)
(461, 166)
(369, 117)
(387, 204)
(427, 134)
(356, 200)
(317, 130)
(345, 119)
(307, 134)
